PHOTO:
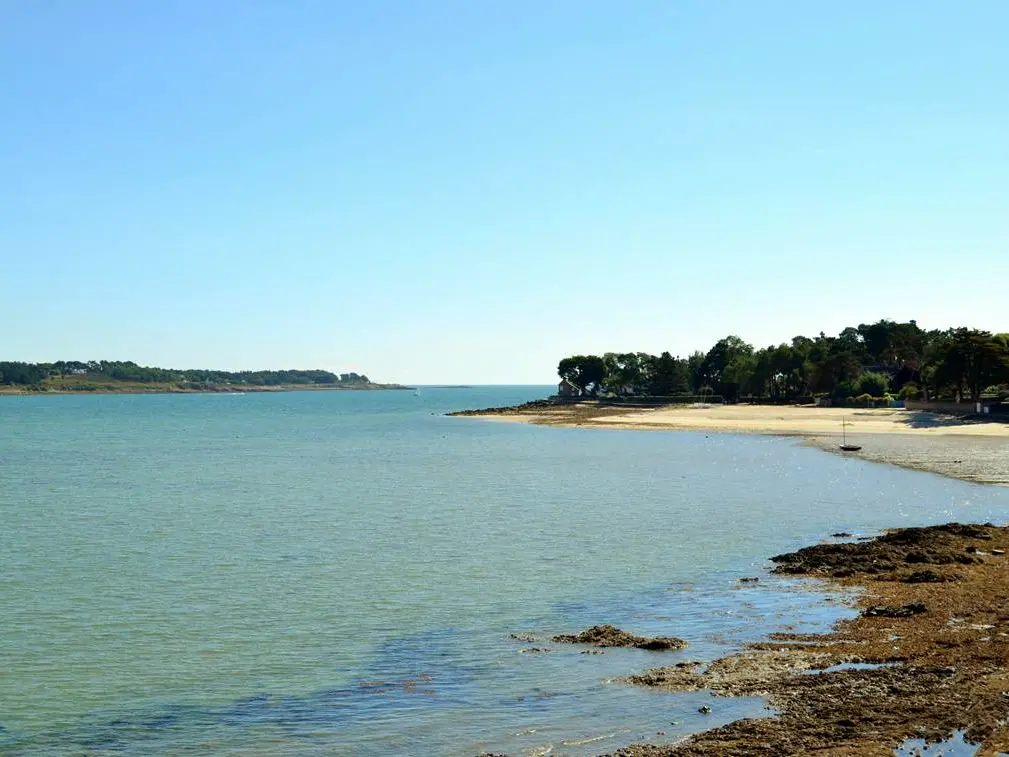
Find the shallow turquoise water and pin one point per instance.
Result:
(337, 573)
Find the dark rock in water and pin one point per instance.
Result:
(749, 580)
(662, 643)
(895, 611)
(704, 709)
(531, 650)
(523, 637)
(841, 535)
(610, 636)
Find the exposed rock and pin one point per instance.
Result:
(752, 673)
(930, 577)
(934, 545)
(682, 676)
(610, 636)
(545, 404)
(947, 670)
(894, 611)
(523, 637)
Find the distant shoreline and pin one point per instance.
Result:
(14, 391)
(966, 449)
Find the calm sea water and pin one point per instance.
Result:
(338, 573)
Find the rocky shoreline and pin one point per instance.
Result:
(927, 656)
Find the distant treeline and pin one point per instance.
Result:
(37, 374)
(870, 360)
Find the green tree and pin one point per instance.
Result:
(695, 371)
(965, 361)
(623, 373)
(586, 371)
(873, 383)
(669, 376)
(716, 372)
(22, 374)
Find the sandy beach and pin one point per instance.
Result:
(972, 450)
(786, 420)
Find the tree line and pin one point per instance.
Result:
(870, 360)
(36, 374)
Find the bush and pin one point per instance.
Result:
(874, 383)
(843, 391)
(864, 399)
(909, 391)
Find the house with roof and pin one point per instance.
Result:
(569, 389)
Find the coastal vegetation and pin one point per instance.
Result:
(126, 376)
(885, 359)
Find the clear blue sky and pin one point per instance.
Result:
(468, 191)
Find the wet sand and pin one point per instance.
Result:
(973, 450)
(981, 459)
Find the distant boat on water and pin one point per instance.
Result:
(845, 447)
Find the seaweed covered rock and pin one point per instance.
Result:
(610, 636)
(934, 545)
(895, 611)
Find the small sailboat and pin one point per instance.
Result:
(845, 447)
